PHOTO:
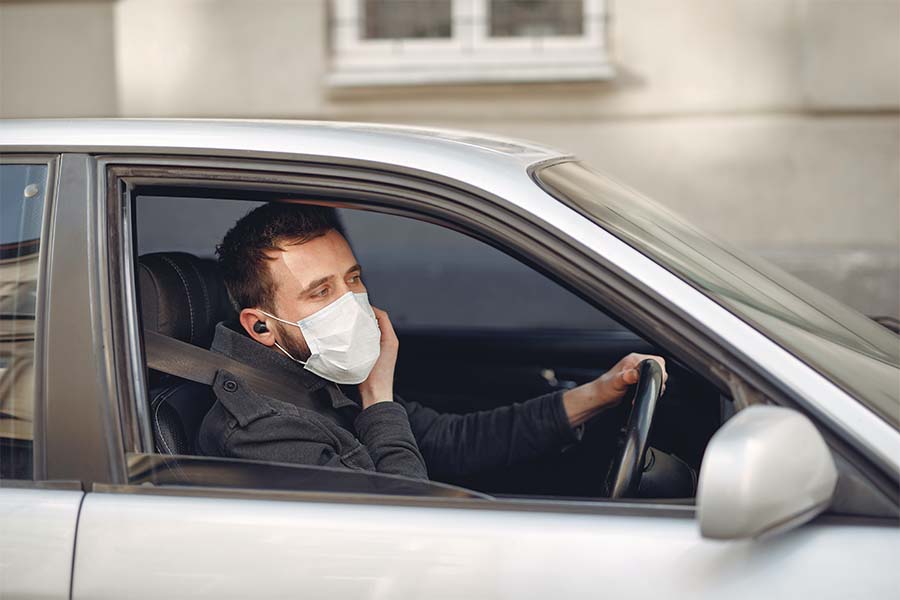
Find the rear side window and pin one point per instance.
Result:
(23, 190)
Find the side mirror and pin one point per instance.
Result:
(765, 471)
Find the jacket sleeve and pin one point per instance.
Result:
(456, 446)
(384, 430)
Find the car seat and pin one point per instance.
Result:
(183, 297)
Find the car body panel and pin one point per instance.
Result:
(37, 542)
(458, 155)
(226, 548)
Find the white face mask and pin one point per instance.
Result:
(343, 338)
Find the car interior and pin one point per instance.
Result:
(477, 329)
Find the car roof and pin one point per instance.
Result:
(440, 151)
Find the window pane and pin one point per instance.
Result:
(399, 19)
(22, 193)
(542, 18)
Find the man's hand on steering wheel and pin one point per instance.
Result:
(584, 401)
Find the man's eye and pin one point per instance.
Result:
(321, 293)
(355, 279)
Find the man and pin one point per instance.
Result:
(304, 316)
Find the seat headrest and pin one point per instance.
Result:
(182, 296)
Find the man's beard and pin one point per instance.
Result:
(293, 342)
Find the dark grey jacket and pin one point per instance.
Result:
(322, 425)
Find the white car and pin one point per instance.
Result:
(509, 270)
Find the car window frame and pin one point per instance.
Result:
(38, 460)
(355, 184)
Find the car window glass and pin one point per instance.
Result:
(427, 276)
(22, 194)
(200, 226)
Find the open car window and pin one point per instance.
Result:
(478, 330)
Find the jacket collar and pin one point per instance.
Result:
(231, 340)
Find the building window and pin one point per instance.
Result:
(406, 19)
(417, 42)
(547, 18)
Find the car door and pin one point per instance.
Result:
(37, 517)
(141, 542)
(208, 538)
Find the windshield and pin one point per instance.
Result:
(856, 353)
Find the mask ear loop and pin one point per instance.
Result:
(286, 353)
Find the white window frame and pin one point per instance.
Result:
(469, 56)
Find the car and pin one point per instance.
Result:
(510, 270)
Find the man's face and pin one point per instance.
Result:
(308, 277)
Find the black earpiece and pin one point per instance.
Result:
(260, 327)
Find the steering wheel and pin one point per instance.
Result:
(625, 470)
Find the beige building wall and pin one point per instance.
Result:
(57, 59)
(772, 123)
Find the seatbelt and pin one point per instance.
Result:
(187, 361)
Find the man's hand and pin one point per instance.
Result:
(585, 401)
(379, 385)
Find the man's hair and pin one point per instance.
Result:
(242, 254)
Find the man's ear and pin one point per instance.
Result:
(249, 318)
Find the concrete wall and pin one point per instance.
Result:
(775, 124)
(221, 58)
(57, 59)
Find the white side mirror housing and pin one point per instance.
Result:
(766, 470)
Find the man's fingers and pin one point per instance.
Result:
(632, 374)
(384, 324)
(639, 358)
(382, 317)
(630, 377)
